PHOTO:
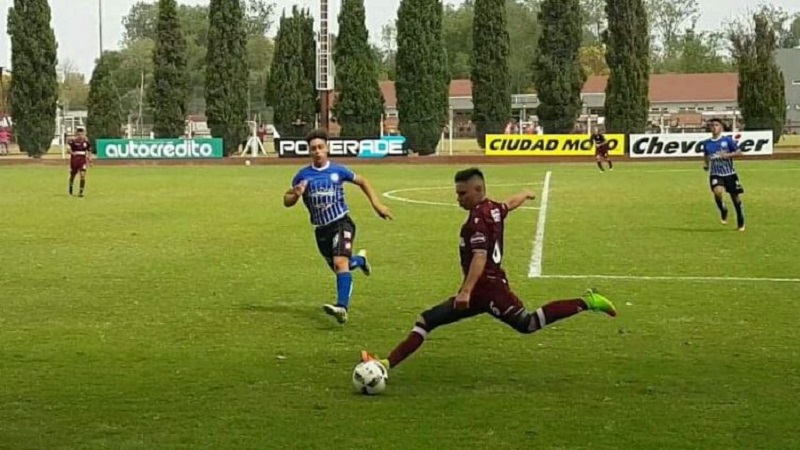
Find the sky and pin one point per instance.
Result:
(76, 22)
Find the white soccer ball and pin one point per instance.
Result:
(370, 377)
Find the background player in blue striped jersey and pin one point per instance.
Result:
(321, 186)
(719, 152)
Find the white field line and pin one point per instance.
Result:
(535, 267)
(393, 194)
(673, 278)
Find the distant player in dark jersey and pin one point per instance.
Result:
(321, 186)
(601, 149)
(80, 156)
(719, 152)
(485, 288)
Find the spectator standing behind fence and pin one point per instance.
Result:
(5, 141)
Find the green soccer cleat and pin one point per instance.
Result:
(597, 302)
(339, 312)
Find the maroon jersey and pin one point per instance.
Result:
(79, 147)
(601, 146)
(483, 230)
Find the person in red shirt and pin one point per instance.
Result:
(601, 149)
(80, 157)
(485, 287)
(5, 140)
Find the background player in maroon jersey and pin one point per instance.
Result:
(601, 151)
(80, 156)
(485, 288)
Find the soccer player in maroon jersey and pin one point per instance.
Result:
(601, 151)
(80, 156)
(485, 288)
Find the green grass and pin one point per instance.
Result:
(179, 308)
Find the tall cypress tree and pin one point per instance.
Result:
(761, 94)
(491, 95)
(104, 107)
(627, 42)
(226, 73)
(291, 87)
(359, 105)
(422, 82)
(558, 72)
(168, 94)
(34, 85)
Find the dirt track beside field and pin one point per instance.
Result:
(443, 160)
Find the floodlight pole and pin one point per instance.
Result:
(100, 25)
(324, 65)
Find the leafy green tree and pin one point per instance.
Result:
(34, 85)
(761, 93)
(558, 72)
(490, 76)
(422, 77)
(104, 119)
(627, 41)
(168, 93)
(359, 106)
(226, 79)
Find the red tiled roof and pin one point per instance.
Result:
(664, 88)
(680, 88)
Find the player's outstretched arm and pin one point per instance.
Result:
(366, 187)
(517, 200)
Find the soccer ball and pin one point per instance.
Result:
(369, 377)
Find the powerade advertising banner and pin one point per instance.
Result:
(751, 143)
(550, 144)
(159, 148)
(345, 147)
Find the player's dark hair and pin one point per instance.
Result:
(318, 133)
(715, 120)
(468, 174)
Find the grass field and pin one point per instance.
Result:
(179, 308)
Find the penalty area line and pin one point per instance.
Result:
(673, 278)
(535, 267)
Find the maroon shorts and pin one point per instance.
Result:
(491, 295)
(603, 153)
(494, 296)
(77, 164)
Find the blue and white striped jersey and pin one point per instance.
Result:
(324, 195)
(713, 148)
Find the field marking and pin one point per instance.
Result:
(392, 194)
(535, 266)
(673, 278)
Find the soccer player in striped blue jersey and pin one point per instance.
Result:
(719, 152)
(321, 186)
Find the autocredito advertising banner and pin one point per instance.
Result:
(381, 147)
(550, 144)
(687, 145)
(159, 148)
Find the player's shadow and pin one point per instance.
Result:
(720, 229)
(300, 312)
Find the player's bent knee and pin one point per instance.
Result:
(524, 323)
(437, 316)
(341, 264)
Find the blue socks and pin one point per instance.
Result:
(357, 262)
(344, 288)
